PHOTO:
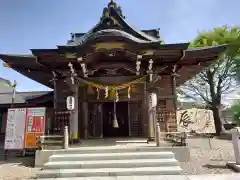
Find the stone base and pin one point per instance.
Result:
(42, 156)
(234, 166)
(74, 141)
(151, 139)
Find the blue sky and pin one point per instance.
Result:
(26, 24)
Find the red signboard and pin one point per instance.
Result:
(35, 126)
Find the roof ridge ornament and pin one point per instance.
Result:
(112, 4)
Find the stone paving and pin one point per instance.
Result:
(169, 177)
(220, 152)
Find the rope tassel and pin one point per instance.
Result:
(117, 97)
(115, 122)
(129, 92)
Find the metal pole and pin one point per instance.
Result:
(13, 93)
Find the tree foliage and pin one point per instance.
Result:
(234, 51)
(236, 112)
(213, 83)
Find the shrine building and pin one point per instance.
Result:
(111, 71)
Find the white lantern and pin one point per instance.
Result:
(70, 103)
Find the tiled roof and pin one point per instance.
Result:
(80, 38)
(6, 93)
(109, 32)
(5, 85)
(20, 97)
(6, 98)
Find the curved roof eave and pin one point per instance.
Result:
(26, 61)
(117, 33)
(207, 47)
(203, 51)
(79, 41)
(17, 55)
(144, 35)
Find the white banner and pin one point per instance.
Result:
(15, 129)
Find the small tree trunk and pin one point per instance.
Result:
(217, 121)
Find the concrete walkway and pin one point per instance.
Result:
(234, 176)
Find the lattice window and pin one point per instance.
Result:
(162, 103)
(62, 118)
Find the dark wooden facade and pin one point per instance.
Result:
(108, 54)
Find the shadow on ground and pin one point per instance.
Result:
(14, 158)
(19, 161)
(215, 166)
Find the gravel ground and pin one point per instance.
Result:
(16, 168)
(204, 160)
(208, 158)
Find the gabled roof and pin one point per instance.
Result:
(113, 27)
(21, 97)
(113, 19)
(109, 33)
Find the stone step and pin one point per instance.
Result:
(113, 149)
(138, 141)
(111, 164)
(234, 176)
(111, 156)
(140, 171)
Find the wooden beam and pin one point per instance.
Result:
(112, 65)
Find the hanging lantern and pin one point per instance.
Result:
(115, 122)
(129, 91)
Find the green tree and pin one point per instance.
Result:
(234, 50)
(236, 112)
(213, 83)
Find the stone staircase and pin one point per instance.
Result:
(110, 161)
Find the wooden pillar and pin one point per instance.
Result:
(55, 94)
(53, 121)
(173, 114)
(85, 113)
(151, 133)
(74, 116)
(146, 117)
(174, 91)
(145, 123)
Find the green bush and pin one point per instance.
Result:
(236, 112)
